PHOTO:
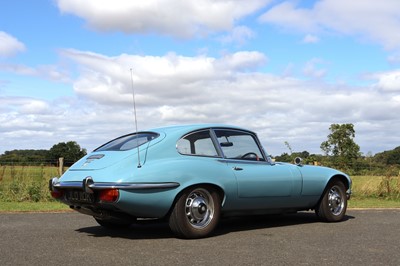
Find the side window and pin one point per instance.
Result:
(197, 143)
(239, 145)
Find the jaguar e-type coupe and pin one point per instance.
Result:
(192, 175)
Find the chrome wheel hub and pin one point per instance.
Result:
(335, 201)
(199, 208)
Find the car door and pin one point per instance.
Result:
(256, 175)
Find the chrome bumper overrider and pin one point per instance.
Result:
(348, 194)
(88, 185)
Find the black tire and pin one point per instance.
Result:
(113, 224)
(332, 206)
(196, 213)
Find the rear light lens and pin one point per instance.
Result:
(109, 195)
(56, 194)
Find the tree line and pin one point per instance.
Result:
(70, 151)
(341, 151)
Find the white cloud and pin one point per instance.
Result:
(377, 21)
(239, 35)
(287, 15)
(169, 17)
(241, 61)
(9, 45)
(20, 113)
(309, 38)
(107, 80)
(311, 68)
(29, 123)
(35, 107)
(388, 81)
(49, 72)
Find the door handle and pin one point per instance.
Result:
(237, 168)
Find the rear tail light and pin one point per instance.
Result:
(56, 194)
(109, 195)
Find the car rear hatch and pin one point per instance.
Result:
(100, 160)
(118, 150)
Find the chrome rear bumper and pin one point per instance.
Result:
(88, 185)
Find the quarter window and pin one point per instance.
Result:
(197, 143)
(239, 145)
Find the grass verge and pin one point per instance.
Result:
(373, 203)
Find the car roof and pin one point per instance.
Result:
(182, 129)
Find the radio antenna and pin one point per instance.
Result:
(134, 113)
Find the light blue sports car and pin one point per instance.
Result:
(193, 175)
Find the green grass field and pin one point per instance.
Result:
(25, 188)
(25, 183)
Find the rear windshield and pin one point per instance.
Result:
(128, 142)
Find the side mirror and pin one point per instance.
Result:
(298, 161)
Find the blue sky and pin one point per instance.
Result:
(285, 69)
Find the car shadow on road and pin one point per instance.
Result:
(247, 223)
(152, 229)
(158, 229)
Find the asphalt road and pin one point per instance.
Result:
(366, 237)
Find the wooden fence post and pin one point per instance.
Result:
(60, 166)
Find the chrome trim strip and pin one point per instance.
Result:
(128, 186)
(238, 161)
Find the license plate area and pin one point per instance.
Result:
(77, 196)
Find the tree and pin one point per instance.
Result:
(341, 143)
(285, 157)
(388, 157)
(289, 147)
(71, 151)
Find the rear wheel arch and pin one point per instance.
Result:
(217, 188)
